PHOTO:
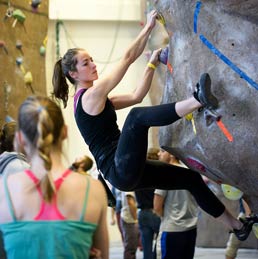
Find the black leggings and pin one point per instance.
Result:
(178, 245)
(130, 170)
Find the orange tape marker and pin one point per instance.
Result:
(170, 68)
(224, 130)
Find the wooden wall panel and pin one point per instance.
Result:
(32, 34)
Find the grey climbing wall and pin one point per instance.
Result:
(219, 37)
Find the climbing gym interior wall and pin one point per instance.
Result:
(22, 53)
(220, 38)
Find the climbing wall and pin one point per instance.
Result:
(218, 37)
(22, 53)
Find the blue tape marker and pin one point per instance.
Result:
(228, 62)
(196, 13)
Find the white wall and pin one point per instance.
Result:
(128, 10)
(97, 37)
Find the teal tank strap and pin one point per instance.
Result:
(85, 198)
(8, 197)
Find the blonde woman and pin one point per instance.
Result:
(48, 211)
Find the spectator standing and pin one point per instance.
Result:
(148, 221)
(116, 211)
(178, 211)
(10, 160)
(129, 225)
(233, 243)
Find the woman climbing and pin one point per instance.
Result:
(121, 156)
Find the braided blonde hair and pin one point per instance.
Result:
(41, 121)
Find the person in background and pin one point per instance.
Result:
(48, 211)
(82, 165)
(116, 211)
(179, 216)
(10, 160)
(233, 243)
(129, 225)
(148, 221)
(121, 155)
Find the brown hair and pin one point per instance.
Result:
(85, 163)
(41, 121)
(153, 153)
(61, 71)
(7, 133)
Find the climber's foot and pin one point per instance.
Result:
(203, 93)
(243, 233)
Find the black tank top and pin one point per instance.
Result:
(100, 132)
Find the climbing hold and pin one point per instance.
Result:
(19, 62)
(210, 116)
(35, 4)
(8, 119)
(19, 46)
(9, 12)
(7, 91)
(2, 45)
(28, 78)
(42, 50)
(28, 81)
(255, 229)
(231, 192)
(18, 15)
(190, 117)
(161, 19)
(195, 164)
(45, 42)
(163, 56)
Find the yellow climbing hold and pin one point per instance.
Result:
(231, 192)
(190, 117)
(28, 78)
(161, 19)
(255, 229)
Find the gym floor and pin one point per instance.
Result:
(116, 252)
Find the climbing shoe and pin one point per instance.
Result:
(203, 93)
(243, 233)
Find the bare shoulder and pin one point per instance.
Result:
(14, 183)
(94, 99)
(97, 187)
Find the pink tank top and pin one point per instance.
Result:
(48, 211)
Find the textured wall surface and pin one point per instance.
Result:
(218, 37)
(31, 33)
